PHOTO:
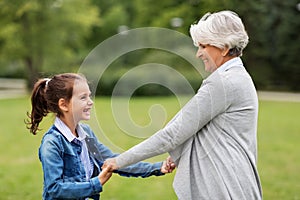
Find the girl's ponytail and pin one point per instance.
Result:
(39, 106)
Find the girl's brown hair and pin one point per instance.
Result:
(45, 96)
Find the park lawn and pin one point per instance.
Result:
(278, 149)
(21, 174)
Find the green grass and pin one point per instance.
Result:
(278, 150)
(21, 174)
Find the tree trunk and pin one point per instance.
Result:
(33, 74)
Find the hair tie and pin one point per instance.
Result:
(47, 81)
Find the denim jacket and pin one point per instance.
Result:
(64, 173)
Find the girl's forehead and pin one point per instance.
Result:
(80, 85)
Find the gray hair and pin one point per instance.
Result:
(222, 29)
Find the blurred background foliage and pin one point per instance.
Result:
(39, 38)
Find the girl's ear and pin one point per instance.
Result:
(63, 105)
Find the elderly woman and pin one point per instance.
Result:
(212, 139)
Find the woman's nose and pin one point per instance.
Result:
(199, 53)
(90, 102)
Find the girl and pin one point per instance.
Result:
(70, 153)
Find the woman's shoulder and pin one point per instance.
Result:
(215, 80)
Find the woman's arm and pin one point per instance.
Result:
(202, 108)
(140, 169)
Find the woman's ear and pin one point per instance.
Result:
(63, 105)
(225, 52)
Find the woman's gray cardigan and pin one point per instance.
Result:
(212, 139)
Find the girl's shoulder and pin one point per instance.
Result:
(52, 139)
(52, 134)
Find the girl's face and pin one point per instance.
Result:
(211, 56)
(81, 102)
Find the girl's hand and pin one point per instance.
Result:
(105, 174)
(168, 166)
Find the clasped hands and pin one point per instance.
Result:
(167, 167)
(110, 165)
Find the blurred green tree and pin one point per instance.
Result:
(272, 53)
(55, 35)
(45, 35)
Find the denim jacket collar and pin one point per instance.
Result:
(64, 129)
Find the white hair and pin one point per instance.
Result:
(222, 29)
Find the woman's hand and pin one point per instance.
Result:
(110, 163)
(168, 166)
(105, 174)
